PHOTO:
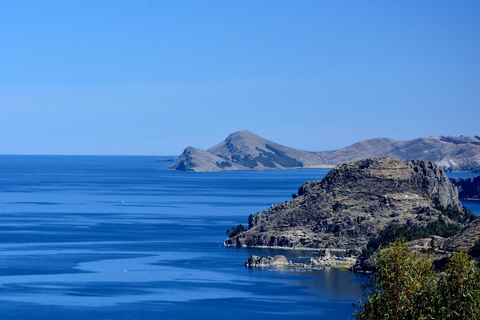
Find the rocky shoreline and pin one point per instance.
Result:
(280, 261)
(353, 203)
(438, 249)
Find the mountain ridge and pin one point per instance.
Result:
(244, 150)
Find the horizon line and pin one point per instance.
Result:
(87, 155)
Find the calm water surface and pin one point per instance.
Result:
(123, 238)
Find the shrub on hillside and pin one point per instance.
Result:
(406, 287)
(233, 231)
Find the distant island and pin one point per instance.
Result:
(244, 150)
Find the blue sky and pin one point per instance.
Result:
(152, 77)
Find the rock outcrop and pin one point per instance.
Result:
(352, 204)
(262, 262)
(327, 259)
(324, 260)
(245, 150)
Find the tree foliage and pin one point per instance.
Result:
(406, 287)
(459, 289)
(401, 288)
(233, 231)
(463, 216)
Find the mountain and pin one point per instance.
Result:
(451, 153)
(353, 203)
(244, 150)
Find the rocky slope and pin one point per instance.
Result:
(465, 239)
(245, 150)
(352, 204)
(194, 159)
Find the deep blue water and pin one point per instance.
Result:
(123, 238)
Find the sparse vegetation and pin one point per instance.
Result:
(453, 140)
(462, 216)
(279, 157)
(409, 232)
(265, 161)
(282, 159)
(223, 164)
(246, 161)
(364, 164)
(233, 231)
(268, 159)
(459, 141)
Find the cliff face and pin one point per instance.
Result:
(353, 203)
(245, 150)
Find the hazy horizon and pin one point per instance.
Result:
(153, 155)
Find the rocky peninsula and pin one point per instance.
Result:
(356, 202)
(353, 203)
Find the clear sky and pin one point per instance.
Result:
(153, 77)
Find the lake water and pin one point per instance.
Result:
(123, 238)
